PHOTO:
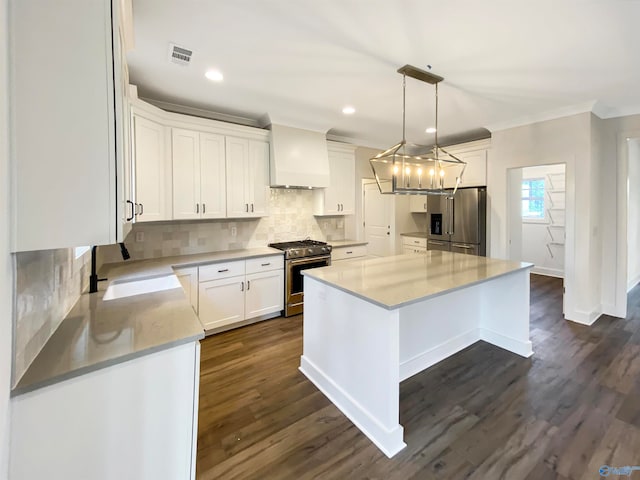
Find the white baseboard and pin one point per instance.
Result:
(389, 441)
(524, 349)
(584, 318)
(436, 354)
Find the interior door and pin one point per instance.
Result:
(378, 218)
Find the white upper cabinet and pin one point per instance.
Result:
(247, 177)
(339, 197)
(198, 161)
(213, 189)
(418, 203)
(149, 160)
(64, 125)
(185, 156)
(475, 154)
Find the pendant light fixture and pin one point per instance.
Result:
(408, 168)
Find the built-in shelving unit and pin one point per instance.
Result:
(555, 193)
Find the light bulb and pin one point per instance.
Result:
(431, 172)
(419, 171)
(442, 173)
(407, 170)
(395, 169)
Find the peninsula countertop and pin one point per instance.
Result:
(99, 333)
(392, 282)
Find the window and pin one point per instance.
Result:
(533, 199)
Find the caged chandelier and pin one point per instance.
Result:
(407, 168)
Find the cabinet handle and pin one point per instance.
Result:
(141, 209)
(416, 241)
(246, 207)
(204, 208)
(342, 207)
(252, 207)
(248, 285)
(265, 264)
(242, 286)
(223, 270)
(133, 211)
(349, 253)
(197, 208)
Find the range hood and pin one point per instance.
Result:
(299, 158)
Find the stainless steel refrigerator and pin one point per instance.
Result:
(458, 223)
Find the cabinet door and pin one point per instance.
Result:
(332, 196)
(475, 175)
(418, 203)
(189, 280)
(258, 178)
(221, 302)
(185, 158)
(237, 162)
(265, 293)
(149, 160)
(213, 182)
(346, 183)
(63, 129)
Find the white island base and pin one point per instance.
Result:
(357, 351)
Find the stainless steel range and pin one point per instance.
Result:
(299, 256)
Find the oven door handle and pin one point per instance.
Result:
(303, 261)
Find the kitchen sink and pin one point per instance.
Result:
(138, 287)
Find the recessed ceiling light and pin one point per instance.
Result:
(430, 130)
(348, 110)
(214, 75)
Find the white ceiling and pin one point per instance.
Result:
(298, 62)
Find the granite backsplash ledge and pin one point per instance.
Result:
(290, 218)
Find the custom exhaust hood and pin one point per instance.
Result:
(299, 158)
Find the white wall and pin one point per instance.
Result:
(564, 140)
(613, 208)
(6, 276)
(633, 214)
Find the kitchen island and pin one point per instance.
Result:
(371, 323)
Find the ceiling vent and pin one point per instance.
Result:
(179, 55)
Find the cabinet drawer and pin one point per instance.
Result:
(263, 264)
(221, 270)
(414, 241)
(342, 253)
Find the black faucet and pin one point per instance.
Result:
(93, 278)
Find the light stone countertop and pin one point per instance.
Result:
(396, 281)
(346, 243)
(415, 234)
(97, 334)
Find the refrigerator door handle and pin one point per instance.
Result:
(451, 213)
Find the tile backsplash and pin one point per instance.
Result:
(290, 218)
(48, 284)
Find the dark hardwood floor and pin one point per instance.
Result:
(484, 413)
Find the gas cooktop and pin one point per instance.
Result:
(302, 248)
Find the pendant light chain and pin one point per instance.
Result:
(436, 148)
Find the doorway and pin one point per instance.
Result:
(377, 214)
(633, 212)
(537, 217)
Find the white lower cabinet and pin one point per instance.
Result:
(136, 419)
(414, 245)
(345, 253)
(221, 302)
(236, 291)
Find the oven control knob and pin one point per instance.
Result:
(310, 251)
(325, 249)
(294, 253)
